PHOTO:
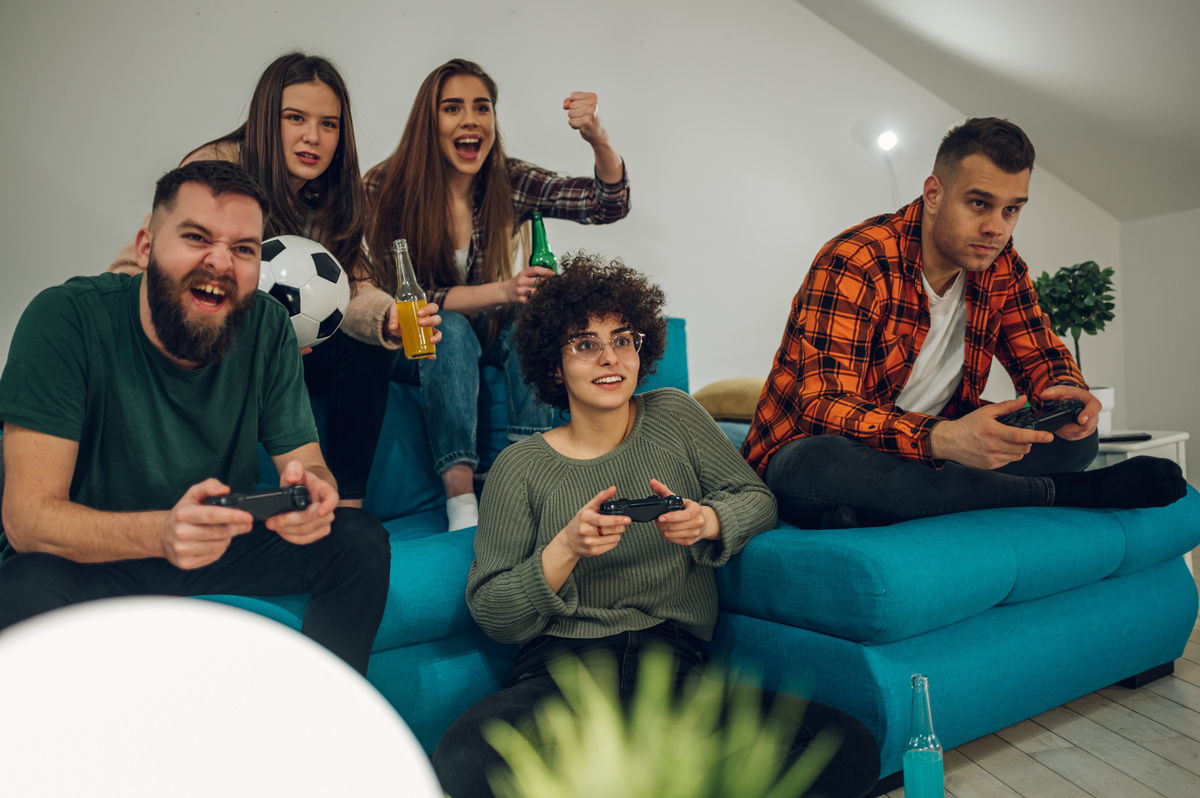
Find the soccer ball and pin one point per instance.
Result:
(309, 282)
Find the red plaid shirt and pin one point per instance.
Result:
(857, 324)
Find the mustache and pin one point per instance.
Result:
(198, 277)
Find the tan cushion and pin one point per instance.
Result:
(731, 400)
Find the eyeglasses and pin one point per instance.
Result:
(590, 347)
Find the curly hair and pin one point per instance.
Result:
(587, 288)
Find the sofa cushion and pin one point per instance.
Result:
(427, 596)
(882, 584)
(734, 399)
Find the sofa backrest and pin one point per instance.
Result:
(402, 479)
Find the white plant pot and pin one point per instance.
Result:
(1108, 397)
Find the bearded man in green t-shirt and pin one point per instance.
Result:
(128, 401)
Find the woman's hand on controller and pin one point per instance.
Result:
(589, 534)
(693, 523)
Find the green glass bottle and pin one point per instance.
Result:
(542, 256)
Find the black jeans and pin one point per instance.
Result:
(811, 475)
(347, 572)
(353, 376)
(463, 757)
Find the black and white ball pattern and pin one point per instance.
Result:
(310, 283)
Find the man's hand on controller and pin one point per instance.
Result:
(313, 522)
(694, 522)
(978, 440)
(197, 534)
(1087, 419)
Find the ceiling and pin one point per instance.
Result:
(1108, 90)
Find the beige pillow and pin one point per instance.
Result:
(734, 399)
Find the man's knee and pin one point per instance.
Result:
(807, 460)
(1060, 456)
(358, 537)
(1078, 455)
(33, 583)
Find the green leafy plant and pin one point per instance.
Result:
(711, 741)
(1078, 299)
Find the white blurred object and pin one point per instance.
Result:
(136, 697)
(1107, 397)
(887, 139)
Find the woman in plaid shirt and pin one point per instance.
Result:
(451, 192)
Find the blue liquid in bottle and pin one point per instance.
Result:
(923, 751)
(923, 774)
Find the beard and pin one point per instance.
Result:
(196, 341)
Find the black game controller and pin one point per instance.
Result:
(1050, 417)
(646, 509)
(262, 504)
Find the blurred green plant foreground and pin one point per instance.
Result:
(712, 741)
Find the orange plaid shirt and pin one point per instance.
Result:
(857, 324)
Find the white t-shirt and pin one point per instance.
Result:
(938, 368)
(460, 259)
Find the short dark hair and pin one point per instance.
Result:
(586, 287)
(220, 177)
(1004, 144)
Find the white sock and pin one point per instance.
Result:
(462, 511)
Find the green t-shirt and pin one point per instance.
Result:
(80, 367)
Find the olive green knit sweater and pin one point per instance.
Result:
(533, 492)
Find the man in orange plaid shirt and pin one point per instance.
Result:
(872, 412)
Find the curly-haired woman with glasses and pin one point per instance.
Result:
(553, 574)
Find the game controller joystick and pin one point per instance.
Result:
(263, 504)
(646, 509)
(1050, 417)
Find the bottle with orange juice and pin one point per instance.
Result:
(418, 340)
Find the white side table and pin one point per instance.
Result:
(1161, 444)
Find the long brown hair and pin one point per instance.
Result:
(336, 197)
(413, 202)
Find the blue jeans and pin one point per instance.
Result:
(450, 389)
(463, 757)
(811, 475)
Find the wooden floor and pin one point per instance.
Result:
(1115, 742)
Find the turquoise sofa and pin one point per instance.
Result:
(1009, 612)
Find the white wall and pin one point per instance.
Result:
(740, 124)
(1162, 322)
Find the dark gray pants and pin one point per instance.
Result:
(811, 475)
(347, 572)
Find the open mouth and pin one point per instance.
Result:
(308, 158)
(209, 295)
(611, 379)
(468, 146)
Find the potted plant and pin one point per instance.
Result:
(711, 742)
(1078, 299)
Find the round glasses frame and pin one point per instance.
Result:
(588, 348)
